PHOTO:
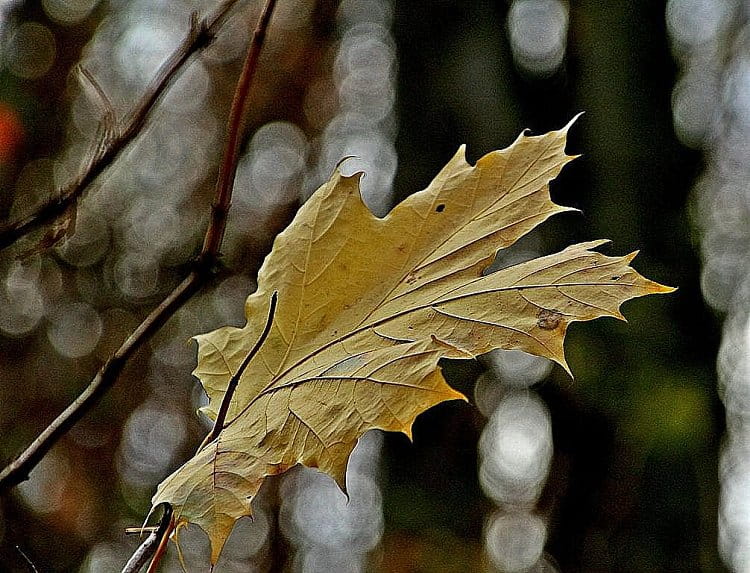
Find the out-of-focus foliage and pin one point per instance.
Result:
(618, 470)
(711, 110)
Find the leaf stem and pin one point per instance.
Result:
(162, 547)
(151, 543)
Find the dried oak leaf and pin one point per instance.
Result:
(366, 308)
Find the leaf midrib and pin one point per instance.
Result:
(271, 388)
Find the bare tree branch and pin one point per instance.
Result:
(223, 192)
(18, 470)
(115, 141)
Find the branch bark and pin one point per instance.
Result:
(115, 141)
(18, 470)
(225, 181)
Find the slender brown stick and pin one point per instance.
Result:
(151, 543)
(223, 192)
(18, 470)
(108, 110)
(200, 36)
(232, 386)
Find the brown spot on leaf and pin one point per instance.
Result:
(548, 319)
(440, 208)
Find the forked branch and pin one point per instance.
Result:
(116, 140)
(18, 470)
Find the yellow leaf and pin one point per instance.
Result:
(367, 307)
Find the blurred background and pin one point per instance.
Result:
(642, 463)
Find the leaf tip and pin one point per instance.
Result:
(564, 363)
(572, 121)
(651, 287)
(619, 316)
(656, 288)
(566, 209)
(341, 482)
(337, 168)
(338, 474)
(409, 432)
(459, 158)
(630, 256)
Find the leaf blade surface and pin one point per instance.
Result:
(367, 307)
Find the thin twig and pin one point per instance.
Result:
(18, 470)
(140, 530)
(148, 547)
(232, 386)
(200, 36)
(223, 192)
(108, 110)
(26, 558)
